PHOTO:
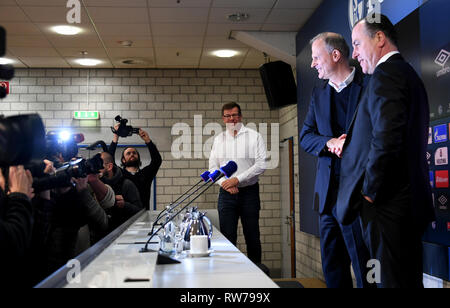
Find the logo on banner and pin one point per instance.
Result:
(430, 135)
(443, 202)
(448, 226)
(440, 133)
(441, 156)
(431, 179)
(429, 158)
(441, 60)
(359, 9)
(442, 179)
(5, 84)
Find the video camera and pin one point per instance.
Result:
(78, 168)
(6, 71)
(63, 143)
(124, 130)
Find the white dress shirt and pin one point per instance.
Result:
(345, 83)
(247, 149)
(387, 56)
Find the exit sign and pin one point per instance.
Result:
(86, 115)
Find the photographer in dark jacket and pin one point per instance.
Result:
(128, 201)
(16, 225)
(131, 162)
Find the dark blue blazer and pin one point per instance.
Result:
(317, 130)
(384, 154)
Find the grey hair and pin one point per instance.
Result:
(333, 41)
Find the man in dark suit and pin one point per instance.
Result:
(384, 172)
(332, 107)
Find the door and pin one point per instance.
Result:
(287, 208)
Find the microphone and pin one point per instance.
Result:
(226, 171)
(204, 178)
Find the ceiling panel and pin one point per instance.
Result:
(51, 14)
(42, 62)
(116, 3)
(225, 29)
(76, 52)
(167, 29)
(221, 41)
(23, 29)
(28, 41)
(118, 15)
(180, 3)
(78, 41)
(176, 15)
(138, 41)
(178, 41)
(8, 3)
(219, 15)
(12, 14)
(289, 16)
(130, 52)
(158, 28)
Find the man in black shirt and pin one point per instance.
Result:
(131, 162)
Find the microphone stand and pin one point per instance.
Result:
(162, 259)
(171, 204)
(177, 204)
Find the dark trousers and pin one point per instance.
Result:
(342, 246)
(395, 241)
(245, 205)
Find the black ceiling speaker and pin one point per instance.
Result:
(2, 41)
(279, 84)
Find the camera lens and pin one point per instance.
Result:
(22, 139)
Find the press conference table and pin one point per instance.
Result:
(226, 267)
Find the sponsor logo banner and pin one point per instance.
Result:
(441, 156)
(440, 133)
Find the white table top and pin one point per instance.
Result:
(226, 267)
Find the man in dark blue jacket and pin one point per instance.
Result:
(384, 172)
(324, 131)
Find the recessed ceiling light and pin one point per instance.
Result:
(88, 62)
(238, 17)
(67, 30)
(4, 61)
(225, 53)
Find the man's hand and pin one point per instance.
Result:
(233, 182)
(335, 145)
(144, 135)
(20, 181)
(115, 136)
(120, 202)
(49, 168)
(368, 199)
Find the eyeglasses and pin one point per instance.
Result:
(229, 116)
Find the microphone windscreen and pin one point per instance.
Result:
(229, 169)
(213, 176)
(205, 176)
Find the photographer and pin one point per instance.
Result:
(15, 224)
(128, 202)
(131, 162)
(78, 220)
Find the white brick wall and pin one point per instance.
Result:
(156, 99)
